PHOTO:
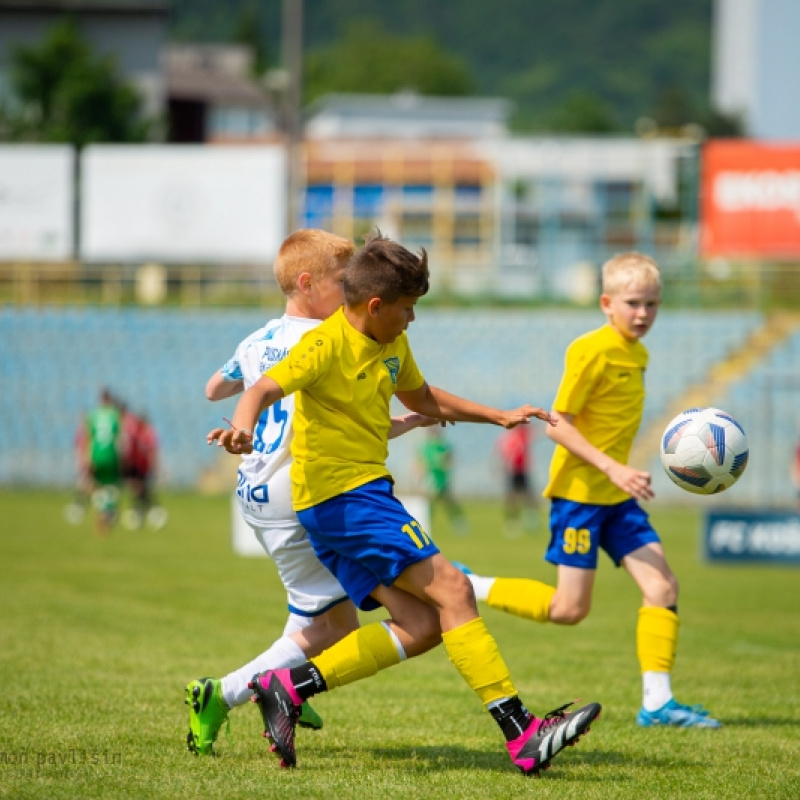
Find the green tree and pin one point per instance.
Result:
(368, 59)
(533, 53)
(722, 126)
(248, 32)
(63, 93)
(583, 112)
(675, 109)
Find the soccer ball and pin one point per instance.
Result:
(704, 450)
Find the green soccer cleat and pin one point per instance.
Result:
(207, 713)
(309, 718)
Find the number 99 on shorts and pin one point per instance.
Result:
(577, 541)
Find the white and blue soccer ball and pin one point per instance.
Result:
(704, 450)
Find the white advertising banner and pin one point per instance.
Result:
(183, 203)
(36, 202)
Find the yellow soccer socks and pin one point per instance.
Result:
(360, 654)
(657, 639)
(656, 646)
(374, 647)
(474, 653)
(523, 597)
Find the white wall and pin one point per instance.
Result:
(176, 203)
(36, 202)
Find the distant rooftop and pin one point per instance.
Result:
(406, 115)
(218, 73)
(106, 6)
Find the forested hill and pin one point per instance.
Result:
(566, 63)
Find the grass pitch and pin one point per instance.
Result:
(98, 638)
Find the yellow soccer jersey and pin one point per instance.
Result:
(603, 388)
(344, 383)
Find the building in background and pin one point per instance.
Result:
(133, 32)
(499, 214)
(213, 95)
(756, 65)
(566, 204)
(406, 115)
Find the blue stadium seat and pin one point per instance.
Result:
(158, 360)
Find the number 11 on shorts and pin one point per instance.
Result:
(418, 536)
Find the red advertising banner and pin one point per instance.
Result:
(750, 199)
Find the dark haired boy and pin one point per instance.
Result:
(344, 373)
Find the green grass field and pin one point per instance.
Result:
(98, 638)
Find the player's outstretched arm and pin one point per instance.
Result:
(238, 438)
(435, 402)
(633, 481)
(408, 422)
(218, 388)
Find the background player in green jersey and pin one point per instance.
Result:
(436, 458)
(103, 443)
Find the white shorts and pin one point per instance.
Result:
(310, 587)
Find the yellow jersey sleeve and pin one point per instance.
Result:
(582, 369)
(306, 363)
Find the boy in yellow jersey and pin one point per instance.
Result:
(344, 373)
(309, 269)
(595, 493)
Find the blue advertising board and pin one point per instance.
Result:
(752, 536)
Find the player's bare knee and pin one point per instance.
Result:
(453, 593)
(568, 613)
(462, 592)
(572, 616)
(674, 590)
(662, 592)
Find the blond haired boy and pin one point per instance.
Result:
(594, 492)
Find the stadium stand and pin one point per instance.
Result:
(53, 362)
(767, 402)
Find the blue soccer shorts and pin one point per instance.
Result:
(579, 530)
(365, 537)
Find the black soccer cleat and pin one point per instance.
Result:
(544, 738)
(279, 705)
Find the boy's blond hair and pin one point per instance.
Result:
(309, 250)
(632, 269)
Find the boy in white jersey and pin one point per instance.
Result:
(308, 269)
(594, 492)
(345, 373)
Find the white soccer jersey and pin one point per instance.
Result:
(272, 436)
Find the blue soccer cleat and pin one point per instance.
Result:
(673, 714)
(463, 567)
